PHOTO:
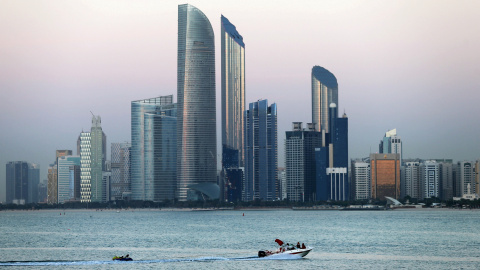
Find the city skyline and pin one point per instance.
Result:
(404, 65)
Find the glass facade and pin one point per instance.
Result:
(300, 164)
(260, 152)
(139, 139)
(196, 120)
(161, 153)
(385, 173)
(85, 166)
(233, 87)
(120, 170)
(324, 92)
(97, 158)
(17, 182)
(64, 178)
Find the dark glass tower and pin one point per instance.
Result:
(260, 152)
(196, 126)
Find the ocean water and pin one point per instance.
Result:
(88, 239)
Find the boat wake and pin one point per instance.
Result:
(204, 259)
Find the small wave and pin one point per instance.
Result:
(203, 259)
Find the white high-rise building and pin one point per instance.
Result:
(465, 176)
(361, 177)
(92, 163)
(411, 177)
(430, 184)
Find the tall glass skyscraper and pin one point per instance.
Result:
(120, 158)
(65, 183)
(98, 144)
(141, 184)
(93, 148)
(324, 92)
(196, 122)
(161, 153)
(260, 151)
(233, 87)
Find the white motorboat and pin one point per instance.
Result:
(286, 249)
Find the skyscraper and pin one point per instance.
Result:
(233, 87)
(52, 184)
(324, 92)
(196, 122)
(361, 179)
(391, 144)
(161, 153)
(260, 151)
(300, 163)
(411, 179)
(140, 186)
(120, 185)
(17, 182)
(98, 155)
(66, 183)
(385, 175)
(430, 179)
(33, 182)
(465, 177)
(332, 181)
(92, 162)
(447, 184)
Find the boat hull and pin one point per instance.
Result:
(294, 253)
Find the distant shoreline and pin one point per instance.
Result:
(62, 211)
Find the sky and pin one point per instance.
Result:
(409, 65)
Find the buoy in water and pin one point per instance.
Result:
(243, 214)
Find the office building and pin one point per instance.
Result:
(465, 177)
(75, 182)
(447, 169)
(260, 151)
(33, 182)
(140, 140)
(300, 145)
(16, 182)
(65, 179)
(324, 93)
(385, 176)
(233, 87)
(92, 162)
(332, 181)
(52, 183)
(391, 144)
(160, 152)
(410, 176)
(196, 118)
(361, 179)
(120, 158)
(430, 179)
(282, 183)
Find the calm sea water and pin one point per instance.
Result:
(415, 239)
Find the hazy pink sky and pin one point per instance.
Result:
(410, 65)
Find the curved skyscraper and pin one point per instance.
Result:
(196, 119)
(324, 92)
(233, 87)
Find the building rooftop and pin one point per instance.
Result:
(232, 31)
(325, 77)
